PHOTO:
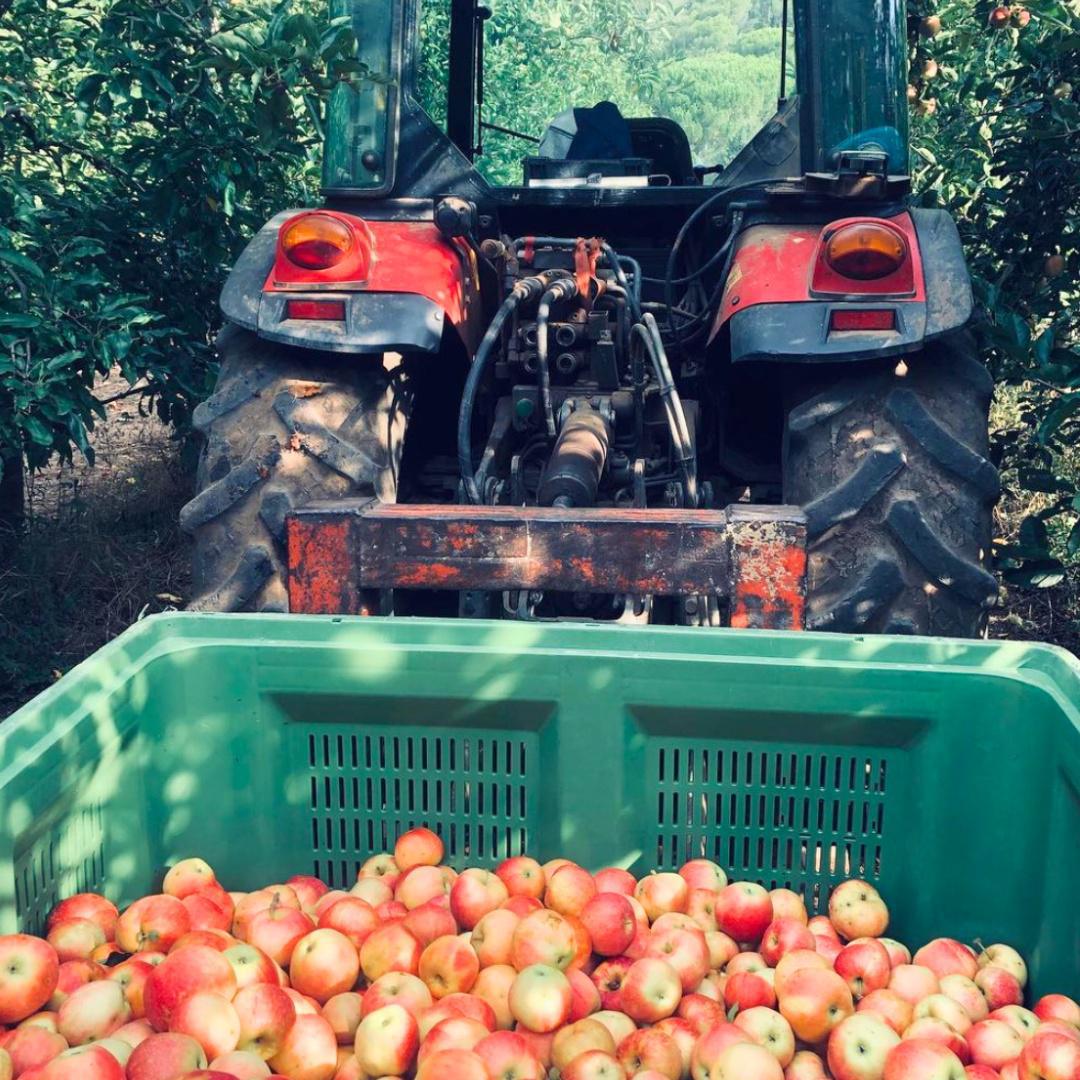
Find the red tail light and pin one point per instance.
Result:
(856, 319)
(326, 310)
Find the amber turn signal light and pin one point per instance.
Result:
(865, 251)
(316, 241)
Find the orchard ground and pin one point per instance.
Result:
(101, 548)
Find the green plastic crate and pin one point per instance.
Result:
(947, 772)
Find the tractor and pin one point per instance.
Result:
(622, 384)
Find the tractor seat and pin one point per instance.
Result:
(665, 143)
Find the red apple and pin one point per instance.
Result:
(540, 998)
(820, 926)
(1057, 1007)
(966, 993)
(711, 1047)
(375, 891)
(721, 948)
(185, 972)
(1049, 1056)
(324, 963)
(241, 1065)
(308, 1051)
(942, 1007)
(859, 1046)
(523, 905)
(613, 879)
(608, 979)
(75, 939)
(650, 990)
(218, 940)
(152, 923)
(29, 973)
(522, 876)
(351, 916)
(186, 877)
(813, 1002)
(421, 884)
(701, 908)
(544, 937)
(578, 1038)
(805, 1065)
(584, 996)
(433, 920)
(946, 956)
(418, 847)
(1061, 1027)
(471, 1006)
(896, 1011)
(87, 906)
(700, 1012)
(492, 986)
(747, 1061)
(390, 948)
(981, 1072)
(856, 910)
(932, 1029)
(133, 1032)
(453, 1065)
(211, 1020)
(784, 935)
(787, 904)
(747, 989)
(387, 1041)
(864, 965)
(397, 988)
(789, 964)
(1004, 956)
(508, 1056)
(80, 1063)
(650, 1050)
(993, 1043)
(918, 1059)
(898, 952)
(265, 1013)
(493, 936)
(209, 910)
(32, 1048)
(661, 893)
(250, 965)
(92, 1012)
(1023, 1021)
(569, 889)
(703, 874)
(913, 982)
(998, 987)
(685, 1037)
(743, 911)
(382, 867)
(454, 1033)
(769, 1029)
(165, 1057)
(449, 965)
(277, 930)
(594, 1065)
(684, 950)
(474, 894)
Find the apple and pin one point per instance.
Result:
(942, 1007)
(92, 1012)
(1010, 1071)
(1004, 956)
(813, 1002)
(703, 874)
(109, 953)
(789, 964)
(90, 906)
(308, 1051)
(613, 879)
(684, 950)
(44, 1019)
(539, 1043)
(649, 1049)
(276, 930)
(152, 923)
(594, 1065)
(474, 894)
(747, 1061)
(165, 1057)
(382, 867)
(993, 1043)
(913, 982)
(219, 940)
(492, 986)
(508, 1056)
(997, 986)
(864, 965)
(327, 901)
(966, 993)
(1057, 1007)
(454, 1033)
(856, 910)
(820, 926)
(584, 996)
(351, 916)
(522, 876)
(449, 965)
(933, 1029)
(241, 1065)
(523, 905)
(569, 889)
(265, 1014)
(609, 920)
(492, 937)
(396, 988)
(721, 948)
(582, 945)
(769, 1029)
(743, 911)
(304, 1005)
(828, 948)
(660, 893)
(618, 1023)
(246, 907)
(685, 1037)
(981, 1072)
(32, 1048)
(207, 912)
(453, 1065)
(324, 963)
(186, 877)
(211, 1020)
(788, 904)
(783, 935)
(577, 1038)
(540, 998)
(430, 921)
(389, 948)
(544, 937)
(250, 966)
(700, 1012)
(1061, 1027)
(946, 956)
(375, 891)
(417, 847)
(805, 1065)
(1049, 1056)
(1023, 1021)
(712, 1046)
(29, 973)
(387, 1041)
(80, 1063)
(918, 1059)
(75, 939)
(887, 1004)
(858, 1047)
(184, 972)
(701, 909)
(651, 990)
(70, 976)
(133, 1032)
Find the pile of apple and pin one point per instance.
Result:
(522, 973)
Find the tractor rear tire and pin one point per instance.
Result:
(284, 427)
(890, 464)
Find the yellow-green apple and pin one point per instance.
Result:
(183, 972)
(544, 937)
(45, 1019)
(418, 847)
(701, 909)
(522, 876)
(574, 1039)
(743, 911)
(931, 1029)
(242, 1065)
(805, 1065)
(211, 1020)
(540, 998)
(493, 936)
(276, 930)
(1049, 1055)
(92, 1012)
(594, 1065)
(492, 986)
(813, 1002)
(913, 982)
(864, 965)
(998, 987)
(507, 1056)
(1004, 956)
(898, 952)
(651, 990)
(887, 1004)
(1023, 1021)
(858, 1047)
(474, 893)
(324, 963)
(90, 906)
(783, 935)
(186, 877)
(614, 879)
(650, 1049)
(942, 1007)
(920, 1059)
(711, 1046)
(387, 1041)
(856, 910)
(569, 889)
(389, 948)
(661, 893)
(383, 867)
(684, 1036)
(769, 1029)
(946, 956)
(993, 1043)
(609, 920)
(265, 1014)
(700, 1012)
(1057, 1007)
(250, 965)
(351, 916)
(747, 989)
(966, 993)
(747, 1061)
(29, 973)
(375, 891)
(397, 988)
(133, 1032)
(165, 1057)
(703, 874)
(32, 1048)
(449, 965)
(618, 1023)
(308, 1051)
(75, 939)
(80, 1063)
(584, 997)
(787, 904)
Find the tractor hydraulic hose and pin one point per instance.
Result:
(525, 289)
(565, 288)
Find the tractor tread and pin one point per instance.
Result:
(825, 406)
(871, 595)
(254, 569)
(319, 441)
(214, 500)
(851, 495)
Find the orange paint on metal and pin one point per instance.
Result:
(776, 601)
(319, 565)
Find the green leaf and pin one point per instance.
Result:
(37, 431)
(19, 261)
